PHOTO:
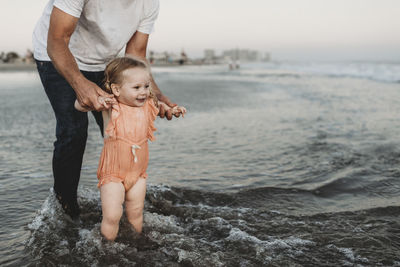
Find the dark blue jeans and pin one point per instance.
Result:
(71, 128)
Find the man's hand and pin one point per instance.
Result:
(177, 111)
(106, 102)
(90, 96)
(166, 107)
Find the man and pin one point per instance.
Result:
(73, 41)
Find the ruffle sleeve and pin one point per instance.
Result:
(111, 127)
(152, 115)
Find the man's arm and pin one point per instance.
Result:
(137, 46)
(62, 25)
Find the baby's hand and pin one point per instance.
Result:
(176, 111)
(106, 101)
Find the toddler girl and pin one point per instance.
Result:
(129, 124)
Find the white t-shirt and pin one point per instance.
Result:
(104, 27)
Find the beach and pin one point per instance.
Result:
(275, 164)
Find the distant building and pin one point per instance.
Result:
(168, 58)
(209, 56)
(158, 57)
(242, 54)
(267, 57)
(232, 57)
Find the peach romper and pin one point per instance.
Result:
(125, 153)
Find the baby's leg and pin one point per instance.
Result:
(112, 197)
(134, 204)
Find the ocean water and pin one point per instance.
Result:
(275, 164)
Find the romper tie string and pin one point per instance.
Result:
(134, 147)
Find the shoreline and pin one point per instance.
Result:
(11, 67)
(6, 67)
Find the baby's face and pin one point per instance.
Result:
(135, 88)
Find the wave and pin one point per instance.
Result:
(195, 228)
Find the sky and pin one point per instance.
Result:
(287, 29)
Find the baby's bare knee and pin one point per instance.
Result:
(112, 216)
(134, 214)
(110, 224)
(134, 211)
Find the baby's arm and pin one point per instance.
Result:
(105, 101)
(106, 118)
(176, 111)
(79, 107)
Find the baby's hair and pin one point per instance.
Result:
(115, 68)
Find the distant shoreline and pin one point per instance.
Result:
(5, 67)
(11, 67)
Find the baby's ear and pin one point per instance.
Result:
(115, 89)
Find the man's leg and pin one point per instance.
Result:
(71, 134)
